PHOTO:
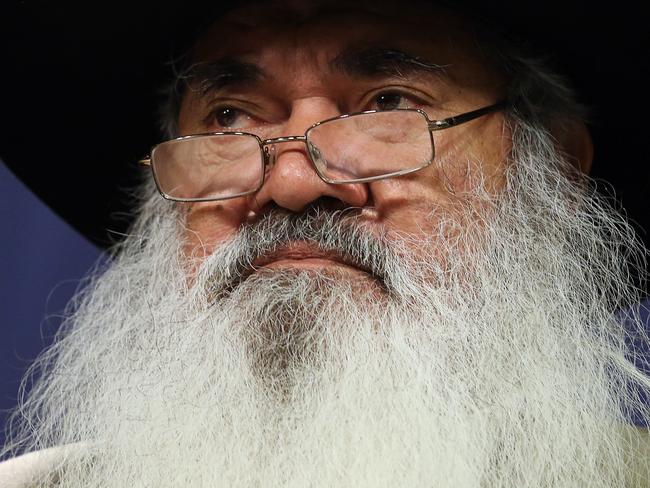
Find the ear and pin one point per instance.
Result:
(575, 141)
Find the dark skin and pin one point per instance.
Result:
(295, 48)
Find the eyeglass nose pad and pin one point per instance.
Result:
(317, 157)
(270, 155)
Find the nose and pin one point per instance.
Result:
(291, 181)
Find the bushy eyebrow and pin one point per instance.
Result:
(366, 62)
(377, 62)
(207, 77)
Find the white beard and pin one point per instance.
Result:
(487, 357)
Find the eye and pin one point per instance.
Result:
(228, 117)
(390, 100)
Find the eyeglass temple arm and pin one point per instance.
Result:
(146, 161)
(466, 117)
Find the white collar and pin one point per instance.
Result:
(23, 471)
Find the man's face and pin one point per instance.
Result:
(489, 359)
(314, 63)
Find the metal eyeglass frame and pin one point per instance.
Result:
(432, 125)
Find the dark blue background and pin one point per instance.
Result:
(42, 260)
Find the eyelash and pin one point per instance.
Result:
(216, 108)
(210, 119)
(415, 97)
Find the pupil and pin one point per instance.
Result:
(388, 101)
(226, 117)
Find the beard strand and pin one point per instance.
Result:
(484, 353)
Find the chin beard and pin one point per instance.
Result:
(484, 353)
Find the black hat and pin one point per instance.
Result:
(80, 93)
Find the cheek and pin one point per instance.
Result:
(210, 224)
(476, 163)
(464, 172)
(404, 203)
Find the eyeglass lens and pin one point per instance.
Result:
(370, 145)
(343, 150)
(207, 167)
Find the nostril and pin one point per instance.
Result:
(330, 203)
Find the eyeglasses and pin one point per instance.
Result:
(352, 148)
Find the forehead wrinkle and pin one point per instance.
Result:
(294, 61)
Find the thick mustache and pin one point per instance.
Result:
(332, 234)
(307, 250)
(304, 250)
